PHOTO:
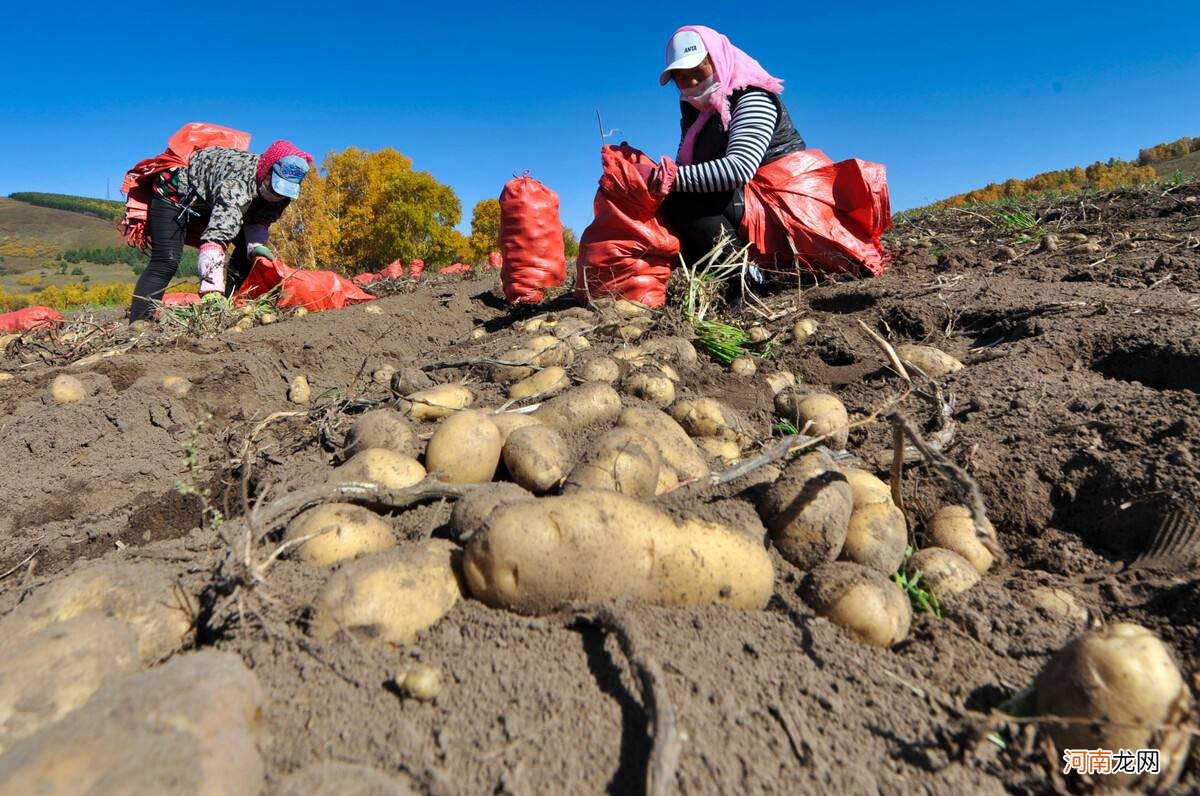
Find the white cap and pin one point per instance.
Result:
(685, 51)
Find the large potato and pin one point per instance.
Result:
(867, 488)
(672, 349)
(548, 381)
(382, 428)
(537, 457)
(472, 509)
(389, 597)
(807, 509)
(933, 362)
(652, 386)
(603, 369)
(877, 537)
(521, 366)
(622, 460)
(678, 450)
(820, 413)
(538, 556)
(438, 401)
(508, 422)
(706, 417)
(953, 528)
(381, 467)
(864, 602)
(586, 405)
(943, 571)
(1122, 676)
(465, 449)
(346, 531)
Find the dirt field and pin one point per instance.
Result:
(1077, 413)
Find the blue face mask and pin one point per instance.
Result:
(698, 96)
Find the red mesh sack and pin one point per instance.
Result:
(23, 320)
(365, 279)
(313, 290)
(416, 268)
(495, 261)
(625, 251)
(531, 239)
(180, 299)
(393, 270)
(456, 268)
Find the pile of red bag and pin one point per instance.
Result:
(313, 290)
(29, 318)
(393, 270)
(455, 268)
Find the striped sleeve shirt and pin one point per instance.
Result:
(751, 126)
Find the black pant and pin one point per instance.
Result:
(167, 234)
(700, 219)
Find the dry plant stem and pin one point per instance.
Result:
(888, 351)
(898, 468)
(23, 562)
(464, 363)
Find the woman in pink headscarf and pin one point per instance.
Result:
(742, 171)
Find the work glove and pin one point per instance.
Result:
(211, 268)
(261, 250)
(659, 179)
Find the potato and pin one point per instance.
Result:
(578, 342)
(465, 449)
(389, 597)
(706, 417)
(549, 350)
(572, 327)
(299, 391)
(586, 405)
(508, 422)
(542, 343)
(826, 413)
(807, 510)
(346, 531)
(537, 457)
(672, 349)
(667, 480)
(549, 381)
(539, 556)
(603, 369)
(864, 602)
(942, 571)
(634, 354)
(381, 467)
(438, 402)
(622, 460)
(409, 380)
(724, 449)
(1123, 676)
(383, 374)
(867, 488)
(382, 428)
(651, 386)
(522, 366)
(953, 528)
(778, 382)
(668, 371)
(876, 537)
(472, 509)
(176, 385)
(758, 334)
(743, 366)
(804, 328)
(678, 450)
(422, 682)
(67, 389)
(1058, 603)
(536, 324)
(630, 309)
(933, 362)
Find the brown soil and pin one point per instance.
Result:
(1078, 414)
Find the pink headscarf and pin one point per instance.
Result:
(276, 152)
(735, 70)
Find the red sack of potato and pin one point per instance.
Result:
(456, 268)
(180, 299)
(27, 318)
(531, 238)
(416, 268)
(313, 290)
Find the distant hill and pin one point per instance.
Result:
(101, 208)
(1187, 166)
(34, 239)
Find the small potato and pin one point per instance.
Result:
(409, 380)
(758, 334)
(743, 366)
(630, 309)
(826, 414)
(542, 342)
(571, 327)
(438, 401)
(726, 450)
(578, 342)
(778, 382)
(381, 467)
(706, 417)
(382, 428)
(383, 374)
(508, 422)
(299, 391)
(421, 682)
(389, 597)
(537, 457)
(603, 369)
(465, 449)
(864, 602)
(804, 328)
(807, 510)
(523, 360)
(867, 488)
(953, 528)
(478, 333)
(551, 351)
(535, 324)
(651, 386)
(1124, 677)
(679, 451)
(472, 509)
(633, 354)
(934, 362)
(586, 405)
(346, 531)
(67, 389)
(176, 385)
(943, 571)
(876, 537)
(621, 460)
(549, 381)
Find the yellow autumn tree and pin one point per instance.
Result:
(485, 228)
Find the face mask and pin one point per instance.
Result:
(264, 190)
(698, 95)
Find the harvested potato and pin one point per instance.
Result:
(953, 528)
(381, 467)
(389, 597)
(571, 327)
(176, 385)
(406, 381)
(672, 349)
(382, 428)
(603, 369)
(542, 343)
(521, 366)
(633, 354)
(538, 556)
(508, 422)
(864, 602)
(536, 324)
(778, 382)
(438, 402)
(622, 460)
(706, 417)
(630, 309)
(667, 480)
(549, 350)
(67, 389)
(867, 488)
(807, 510)
(743, 366)
(346, 531)
(422, 682)
(942, 571)
(876, 537)
(548, 381)
(668, 371)
(478, 333)
(579, 343)
(651, 386)
(472, 509)
(726, 450)
(678, 450)
(758, 334)
(583, 406)
(465, 449)
(299, 391)
(933, 362)
(804, 328)
(383, 374)
(1123, 676)
(821, 413)
(537, 457)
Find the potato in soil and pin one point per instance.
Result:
(877, 537)
(536, 457)
(472, 509)
(586, 405)
(864, 602)
(343, 531)
(807, 510)
(678, 450)
(382, 428)
(381, 467)
(621, 460)
(438, 402)
(821, 414)
(953, 528)
(465, 449)
(942, 571)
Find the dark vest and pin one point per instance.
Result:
(714, 139)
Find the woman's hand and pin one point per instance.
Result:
(659, 179)
(210, 265)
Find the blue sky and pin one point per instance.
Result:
(949, 95)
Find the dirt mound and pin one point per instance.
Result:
(1077, 413)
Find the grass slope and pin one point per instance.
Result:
(1188, 166)
(32, 237)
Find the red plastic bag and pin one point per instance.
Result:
(456, 268)
(531, 237)
(180, 299)
(365, 279)
(313, 290)
(495, 261)
(416, 268)
(625, 251)
(393, 270)
(829, 216)
(27, 318)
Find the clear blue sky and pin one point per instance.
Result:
(949, 95)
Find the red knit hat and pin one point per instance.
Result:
(275, 152)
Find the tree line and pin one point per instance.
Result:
(1100, 175)
(1175, 149)
(101, 208)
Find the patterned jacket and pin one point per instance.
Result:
(222, 183)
